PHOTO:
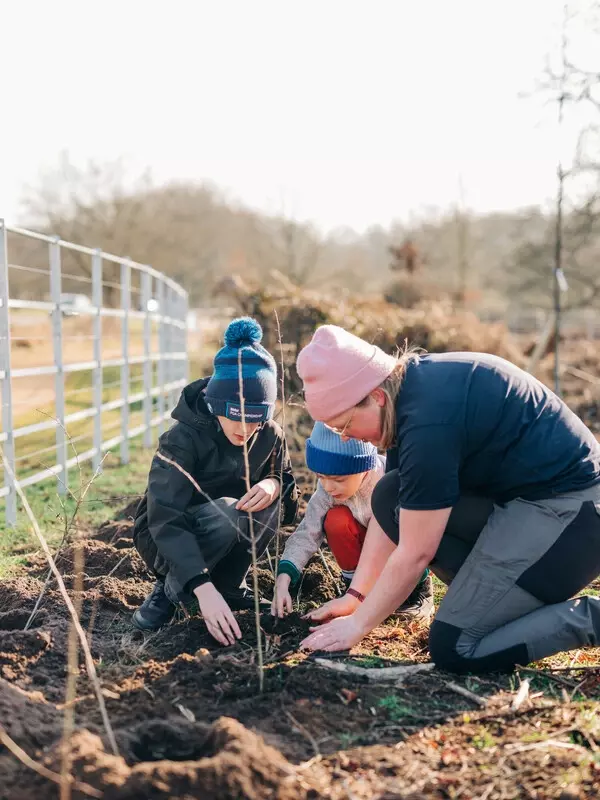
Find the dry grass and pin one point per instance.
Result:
(89, 661)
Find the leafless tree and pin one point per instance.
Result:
(571, 240)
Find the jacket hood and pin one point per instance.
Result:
(192, 409)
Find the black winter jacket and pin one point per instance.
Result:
(197, 443)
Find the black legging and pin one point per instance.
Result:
(467, 519)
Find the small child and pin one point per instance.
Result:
(199, 542)
(340, 511)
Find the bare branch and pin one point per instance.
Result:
(27, 761)
(89, 661)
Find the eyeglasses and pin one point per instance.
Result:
(343, 431)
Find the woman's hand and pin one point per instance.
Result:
(340, 607)
(260, 496)
(219, 619)
(339, 634)
(282, 600)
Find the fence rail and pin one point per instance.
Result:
(74, 341)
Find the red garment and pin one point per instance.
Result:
(345, 537)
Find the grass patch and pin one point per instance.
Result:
(395, 708)
(112, 489)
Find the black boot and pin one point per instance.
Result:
(155, 611)
(243, 599)
(419, 603)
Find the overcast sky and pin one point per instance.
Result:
(338, 111)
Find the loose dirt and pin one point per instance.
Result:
(189, 719)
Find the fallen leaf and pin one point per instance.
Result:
(203, 655)
(347, 696)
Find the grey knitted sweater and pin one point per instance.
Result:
(309, 535)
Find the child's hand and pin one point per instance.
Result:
(282, 600)
(260, 496)
(340, 607)
(219, 619)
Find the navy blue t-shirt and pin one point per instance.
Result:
(475, 422)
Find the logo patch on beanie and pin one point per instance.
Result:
(251, 413)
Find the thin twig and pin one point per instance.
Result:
(72, 675)
(304, 732)
(487, 791)
(27, 761)
(580, 373)
(259, 651)
(94, 610)
(68, 527)
(283, 447)
(582, 668)
(549, 675)
(91, 667)
(546, 743)
(326, 565)
(521, 696)
(456, 687)
(198, 488)
(270, 563)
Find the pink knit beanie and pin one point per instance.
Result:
(339, 370)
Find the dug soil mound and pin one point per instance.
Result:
(99, 558)
(117, 533)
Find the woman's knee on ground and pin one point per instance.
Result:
(453, 650)
(443, 640)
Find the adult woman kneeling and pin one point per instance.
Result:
(492, 481)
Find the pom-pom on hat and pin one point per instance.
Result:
(259, 375)
(328, 454)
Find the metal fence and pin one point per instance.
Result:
(70, 361)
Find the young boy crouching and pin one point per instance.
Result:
(198, 543)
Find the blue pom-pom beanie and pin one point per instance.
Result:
(259, 375)
(328, 454)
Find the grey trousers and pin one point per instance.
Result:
(511, 570)
(225, 542)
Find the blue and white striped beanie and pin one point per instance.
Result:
(328, 454)
(259, 375)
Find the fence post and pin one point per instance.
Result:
(147, 366)
(97, 373)
(125, 302)
(10, 508)
(59, 378)
(160, 296)
(175, 343)
(170, 329)
(185, 369)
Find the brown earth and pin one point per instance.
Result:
(191, 724)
